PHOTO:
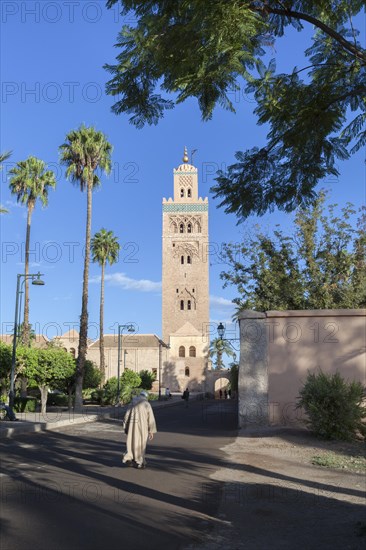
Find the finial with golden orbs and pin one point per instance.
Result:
(185, 156)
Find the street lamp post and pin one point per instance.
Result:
(37, 281)
(161, 346)
(130, 328)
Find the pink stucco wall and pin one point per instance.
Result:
(302, 341)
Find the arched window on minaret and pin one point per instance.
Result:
(186, 371)
(189, 193)
(182, 192)
(188, 260)
(182, 351)
(189, 228)
(181, 228)
(188, 304)
(182, 304)
(192, 351)
(182, 259)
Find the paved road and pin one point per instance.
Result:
(67, 489)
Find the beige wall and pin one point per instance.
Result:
(278, 348)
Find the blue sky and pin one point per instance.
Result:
(52, 57)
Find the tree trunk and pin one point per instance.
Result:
(26, 328)
(101, 327)
(23, 386)
(44, 395)
(83, 335)
(69, 393)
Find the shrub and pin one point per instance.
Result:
(98, 396)
(92, 375)
(129, 381)
(333, 405)
(110, 391)
(58, 399)
(25, 404)
(147, 379)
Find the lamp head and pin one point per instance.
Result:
(221, 330)
(38, 281)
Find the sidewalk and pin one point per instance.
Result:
(58, 417)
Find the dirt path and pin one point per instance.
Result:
(275, 498)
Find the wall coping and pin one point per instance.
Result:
(251, 314)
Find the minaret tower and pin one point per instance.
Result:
(185, 281)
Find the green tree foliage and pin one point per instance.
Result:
(147, 379)
(47, 368)
(129, 381)
(234, 376)
(92, 375)
(322, 265)
(84, 152)
(30, 181)
(218, 348)
(333, 405)
(105, 248)
(207, 49)
(3, 158)
(5, 367)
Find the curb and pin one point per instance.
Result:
(116, 413)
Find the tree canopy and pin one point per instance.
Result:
(206, 48)
(321, 265)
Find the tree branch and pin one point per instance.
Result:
(314, 21)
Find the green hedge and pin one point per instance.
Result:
(25, 404)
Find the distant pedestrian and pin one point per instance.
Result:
(167, 393)
(186, 396)
(220, 394)
(139, 425)
(229, 394)
(225, 394)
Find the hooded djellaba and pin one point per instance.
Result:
(139, 425)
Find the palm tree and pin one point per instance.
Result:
(105, 248)
(84, 151)
(219, 347)
(30, 181)
(3, 157)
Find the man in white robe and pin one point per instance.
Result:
(139, 425)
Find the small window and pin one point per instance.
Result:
(73, 352)
(177, 289)
(192, 289)
(188, 259)
(192, 351)
(174, 243)
(189, 304)
(182, 192)
(182, 259)
(182, 304)
(189, 228)
(186, 371)
(182, 351)
(181, 228)
(155, 372)
(189, 194)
